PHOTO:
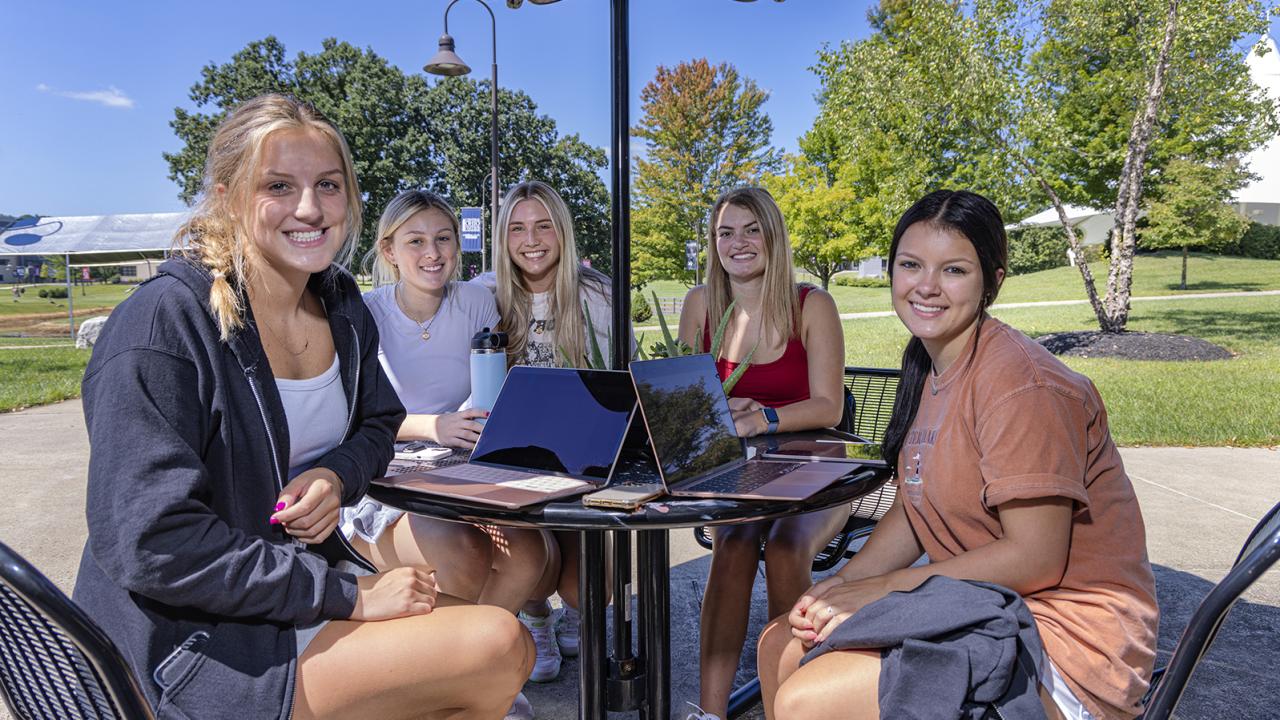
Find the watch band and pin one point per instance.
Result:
(770, 417)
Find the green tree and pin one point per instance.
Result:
(705, 131)
(1066, 99)
(824, 217)
(1192, 210)
(403, 131)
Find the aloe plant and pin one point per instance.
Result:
(595, 360)
(675, 348)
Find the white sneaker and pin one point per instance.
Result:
(699, 714)
(567, 632)
(521, 709)
(546, 667)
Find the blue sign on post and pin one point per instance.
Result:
(472, 229)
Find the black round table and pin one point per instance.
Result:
(643, 682)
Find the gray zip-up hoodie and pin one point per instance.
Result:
(189, 449)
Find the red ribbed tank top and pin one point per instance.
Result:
(776, 384)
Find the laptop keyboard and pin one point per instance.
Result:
(743, 478)
(509, 478)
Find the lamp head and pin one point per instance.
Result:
(513, 4)
(446, 62)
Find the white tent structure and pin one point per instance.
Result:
(1259, 201)
(91, 240)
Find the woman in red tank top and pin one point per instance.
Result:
(793, 383)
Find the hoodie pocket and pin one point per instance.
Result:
(175, 670)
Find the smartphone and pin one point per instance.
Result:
(421, 451)
(862, 453)
(623, 497)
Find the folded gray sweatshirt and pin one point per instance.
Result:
(950, 649)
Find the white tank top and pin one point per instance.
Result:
(316, 411)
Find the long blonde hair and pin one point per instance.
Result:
(515, 302)
(397, 213)
(780, 301)
(219, 231)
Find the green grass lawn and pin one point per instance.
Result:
(85, 297)
(1155, 274)
(37, 377)
(1224, 402)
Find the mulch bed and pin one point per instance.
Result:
(1132, 346)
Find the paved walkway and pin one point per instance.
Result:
(1199, 503)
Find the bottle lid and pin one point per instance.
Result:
(486, 340)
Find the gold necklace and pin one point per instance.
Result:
(425, 326)
(282, 343)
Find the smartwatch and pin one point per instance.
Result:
(770, 417)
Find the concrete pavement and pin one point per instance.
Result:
(1198, 503)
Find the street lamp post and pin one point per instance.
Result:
(447, 63)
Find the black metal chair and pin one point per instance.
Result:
(1260, 552)
(55, 662)
(869, 395)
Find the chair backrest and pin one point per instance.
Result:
(55, 662)
(1261, 550)
(873, 391)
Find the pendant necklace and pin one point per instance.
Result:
(424, 325)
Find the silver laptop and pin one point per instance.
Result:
(696, 445)
(552, 433)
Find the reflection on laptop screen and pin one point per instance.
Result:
(687, 414)
(558, 420)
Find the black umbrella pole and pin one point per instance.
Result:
(621, 181)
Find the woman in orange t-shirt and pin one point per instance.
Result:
(1007, 474)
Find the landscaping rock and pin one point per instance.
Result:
(89, 329)
(1132, 346)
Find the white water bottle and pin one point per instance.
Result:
(488, 368)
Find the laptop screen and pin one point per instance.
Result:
(688, 417)
(558, 420)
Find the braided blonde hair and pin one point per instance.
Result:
(219, 231)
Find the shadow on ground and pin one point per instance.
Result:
(1235, 679)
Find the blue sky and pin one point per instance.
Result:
(89, 88)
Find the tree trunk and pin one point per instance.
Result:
(1129, 195)
(1184, 268)
(1090, 287)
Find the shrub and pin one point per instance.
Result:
(1259, 241)
(53, 292)
(44, 292)
(640, 308)
(1036, 248)
(855, 281)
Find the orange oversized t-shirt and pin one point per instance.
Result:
(1009, 421)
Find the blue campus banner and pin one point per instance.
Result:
(472, 229)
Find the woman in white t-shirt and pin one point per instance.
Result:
(425, 323)
(544, 295)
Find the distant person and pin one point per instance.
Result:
(232, 404)
(794, 382)
(425, 322)
(1007, 474)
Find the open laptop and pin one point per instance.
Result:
(696, 445)
(552, 433)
